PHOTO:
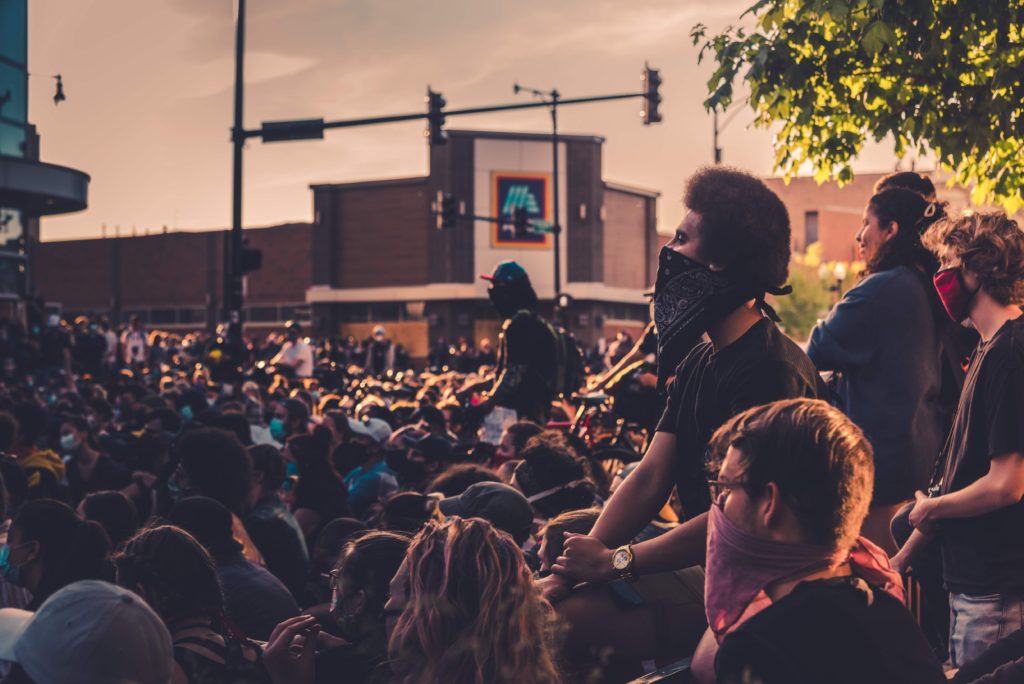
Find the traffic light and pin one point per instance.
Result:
(652, 98)
(520, 220)
(435, 118)
(445, 210)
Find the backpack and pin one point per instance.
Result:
(571, 373)
(570, 365)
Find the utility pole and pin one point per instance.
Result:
(718, 150)
(233, 253)
(716, 129)
(550, 98)
(556, 227)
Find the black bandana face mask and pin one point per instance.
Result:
(688, 297)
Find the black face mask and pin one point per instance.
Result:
(688, 296)
(503, 301)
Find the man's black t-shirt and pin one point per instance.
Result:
(984, 555)
(712, 386)
(527, 367)
(837, 631)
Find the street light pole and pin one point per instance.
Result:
(551, 99)
(233, 258)
(556, 228)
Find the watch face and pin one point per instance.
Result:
(620, 560)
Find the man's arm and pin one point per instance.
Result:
(681, 547)
(634, 504)
(588, 559)
(640, 496)
(904, 557)
(288, 361)
(1001, 486)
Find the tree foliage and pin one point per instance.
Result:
(944, 75)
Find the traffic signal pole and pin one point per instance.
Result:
(306, 129)
(233, 247)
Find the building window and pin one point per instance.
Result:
(141, 314)
(810, 228)
(163, 316)
(191, 315)
(262, 314)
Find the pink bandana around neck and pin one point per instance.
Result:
(740, 566)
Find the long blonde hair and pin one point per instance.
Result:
(472, 614)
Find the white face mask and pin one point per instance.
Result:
(68, 443)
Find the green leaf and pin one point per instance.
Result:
(938, 76)
(877, 36)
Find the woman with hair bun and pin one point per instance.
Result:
(884, 343)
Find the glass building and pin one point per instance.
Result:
(29, 188)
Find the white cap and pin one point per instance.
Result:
(376, 429)
(90, 632)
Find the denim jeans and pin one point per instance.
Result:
(977, 622)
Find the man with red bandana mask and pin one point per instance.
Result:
(793, 593)
(976, 510)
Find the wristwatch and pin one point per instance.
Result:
(622, 561)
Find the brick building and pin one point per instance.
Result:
(175, 280)
(374, 255)
(379, 258)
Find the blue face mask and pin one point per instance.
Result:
(10, 572)
(176, 491)
(277, 429)
(186, 414)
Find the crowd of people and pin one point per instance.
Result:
(713, 498)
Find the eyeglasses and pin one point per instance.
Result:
(333, 578)
(720, 489)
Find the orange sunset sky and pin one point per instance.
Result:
(149, 99)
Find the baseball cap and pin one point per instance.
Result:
(89, 632)
(375, 428)
(506, 272)
(504, 507)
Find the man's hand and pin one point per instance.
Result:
(922, 516)
(554, 587)
(900, 562)
(585, 559)
(289, 656)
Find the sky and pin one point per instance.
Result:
(149, 96)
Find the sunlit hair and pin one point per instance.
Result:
(820, 461)
(988, 244)
(472, 613)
